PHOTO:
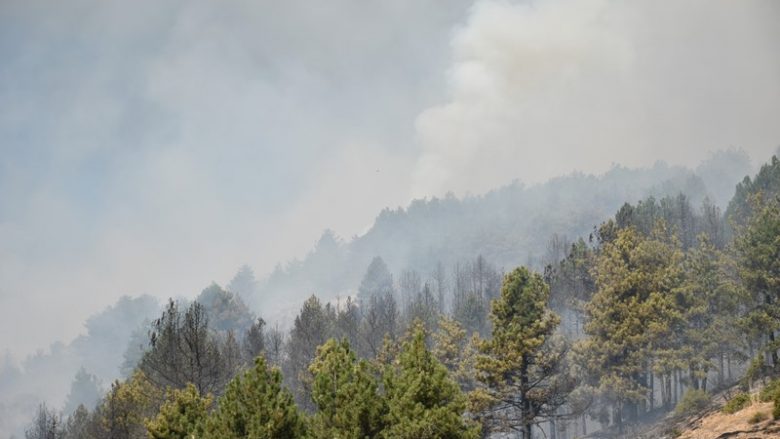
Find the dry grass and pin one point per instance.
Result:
(718, 425)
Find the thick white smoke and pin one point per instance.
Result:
(543, 88)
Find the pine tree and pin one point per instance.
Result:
(85, 390)
(376, 281)
(456, 351)
(380, 320)
(183, 350)
(758, 248)
(127, 405)
(244, 283)
(570, 280)
(710, 300)
(470, 309)
(226, 311)
(47, 424)
(421, 306)
(448, 342)
(765, 184)
(254, 341)
(231, 356)
(256, 406)
(347, 324)
(182, 416)
(423, 401)
(312, 327)
(346, 395)
(633, 317)
(520, 367)
(466, 373)
(77, 425)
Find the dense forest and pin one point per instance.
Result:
(474, 326)
(509, 226)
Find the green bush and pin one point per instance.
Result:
(737, 403)
(770, 392)
(758, 417)
(693, 401)
(776, 409)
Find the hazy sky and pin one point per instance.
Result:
(155, 146)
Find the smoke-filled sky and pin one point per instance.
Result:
(155, 146)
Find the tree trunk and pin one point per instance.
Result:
(728, 364)
(651, 385)
(664, 391)
(680, 385)
(526, 403)
(692, 375)
(704, 379)
(577, 324)
(771, 334)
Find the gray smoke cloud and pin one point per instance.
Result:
(155, 146)
(544, 88)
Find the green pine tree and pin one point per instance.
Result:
(635, 320)
(346, 395)
(448, 342)
(182, 416)
(710, 301)
(423, 401)
(125, 407)
(758, 248)
(521, 368)
(255, 406)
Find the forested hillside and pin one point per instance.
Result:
(603, 327)
(509, 226)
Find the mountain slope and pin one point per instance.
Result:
(509, 226)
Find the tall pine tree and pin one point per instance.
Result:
(758, 247)
(521, 368)
(182, 416)
(255, 406)
(346, 395)
(423, 401)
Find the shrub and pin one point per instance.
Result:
(693, 401)
(770, 392)
(755, 370)
(737, 403)
(758, 417)
(776, 409)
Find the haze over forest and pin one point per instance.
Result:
(268, 152)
